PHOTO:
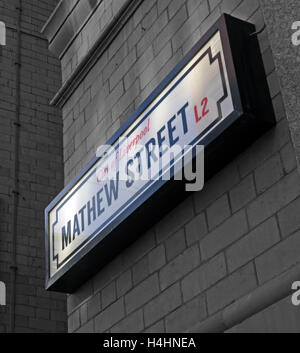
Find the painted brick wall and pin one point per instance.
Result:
(219, 244)
(40, 167)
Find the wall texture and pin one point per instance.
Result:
(240, 232)
(40, 166)
(98, 23)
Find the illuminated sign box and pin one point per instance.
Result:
(217, 96)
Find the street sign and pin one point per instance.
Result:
(208, 99)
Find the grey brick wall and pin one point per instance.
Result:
(89, 34)
(222, 242)
(40, 167)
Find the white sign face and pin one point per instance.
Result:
(188, 109)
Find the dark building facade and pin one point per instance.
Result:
(225, 258)
(31, 171)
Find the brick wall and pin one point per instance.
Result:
(221, 243)
(97, 24)
(40, 167)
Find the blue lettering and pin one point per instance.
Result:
(161, 140)
(171, 129)
(182, 112)
(150, 153)
(66, 236)
(76, 229)
(91, 210)
(99, 201)
(81, 212)
(130, 174)
(113, 190)
(138, 157)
